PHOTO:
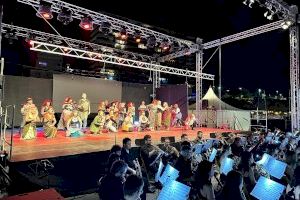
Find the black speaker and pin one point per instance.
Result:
(139, 142)
(171, 138)
(225, 134)
(213, 135)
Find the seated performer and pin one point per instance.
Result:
(127, 123)
(142, 108)
(190, 122)
(74, 125)
(48, 119)
(30, 117)
(143, 121)
(98, 123)
(110, 123)
(131, 110)
(68, 107)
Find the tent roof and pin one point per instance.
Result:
(214, 102)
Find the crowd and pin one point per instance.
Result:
(111, 117)
(131, 177)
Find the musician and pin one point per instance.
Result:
(184, 164)
(133, 188)
(149, 154)
(198, 139)
(172, 153)
(236, 147)
(126, 153)
(111, 185)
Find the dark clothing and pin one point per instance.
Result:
(111, 188)
(145, 150)
(236, 150)
(184, 168)
(128, 158)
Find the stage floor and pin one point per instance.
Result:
(42, 147)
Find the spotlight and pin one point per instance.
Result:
(105, 28)
(250, 3)
(270, 17)
(151, 42)
(137, 37)
(123, 34)
(87, 23)
(44, 11)
(245, 2)
(165, 46)
(65, 16)
(286, 24)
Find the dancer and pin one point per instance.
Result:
(152, 114)
(84, 109)
(166, 116)
(30, 117)
(143, 121)
(131, 110)
(160, 110)
(101, 106)
(74, 125)
(190, 122)
(48, 119)
(66, 114)
(127, 124)
(142, 108)
(178, 116)
(111, 124)
(98, 123)
(122, 113)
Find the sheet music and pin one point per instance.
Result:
(212, 155)
(274, 167)
(174, 191)
(226, 165)
(198, 148)
(264, 160)
(266, 189)
(268, 138)
(158, 173)
(209, 143)
(168, 175)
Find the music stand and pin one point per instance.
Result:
(174, 190)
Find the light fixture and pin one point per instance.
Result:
(123, 34)
(165, 46)
(44, 11)
(105, 28)
(65, 16)
(137, 37)
(286, 24)
(86, 23)
(251, 2)
(151, 42)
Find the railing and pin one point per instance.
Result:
(7, 121)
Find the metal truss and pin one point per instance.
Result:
(294, 77)
(116, 24)
(177, 54)
(101, 57)
(245, 34)
(156, 82)
(78, 44)
(199, 89)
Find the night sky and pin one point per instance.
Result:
(258, 62)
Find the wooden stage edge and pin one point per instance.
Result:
(42, 148)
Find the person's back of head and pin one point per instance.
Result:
(133, 187)
(116, 149)
(233, 186)
(118, 168)
(111, 159)
(204, 173)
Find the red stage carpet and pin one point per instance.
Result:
(42, 147)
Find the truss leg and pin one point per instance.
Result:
(294, 78)
(199, 68)
(155, 82)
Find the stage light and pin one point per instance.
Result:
(250, 3)
(105, 28)
(151, 42)
(138, 39)
(165, 46)
(286, 24)
(123, 34)
(65, 16)
(87, 23)
(44, 11)
(31, 42)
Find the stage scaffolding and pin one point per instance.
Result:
(76, 48)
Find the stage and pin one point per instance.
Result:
(41, 147)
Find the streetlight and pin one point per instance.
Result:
(240, 88)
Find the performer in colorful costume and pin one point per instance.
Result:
(143, 121)
(84, 109)
(48, 119)
(142, 108)
(98, 123)
(178, 116)
(66, 114)
(110, 123)
(166, 116)
(158, 120)
(152, 114)
(190, 122)
(122, 113)
(127, 124)
(30, 117)
(131, 110)
(74, 125)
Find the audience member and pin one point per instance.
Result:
(133, 188)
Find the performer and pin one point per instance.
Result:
(142, 108)
(30, 117)
(152, 113)
(127, 124)
(190, 122)
(111, 122)
(84, 109)
(131, 109)
(178, 118)
(74, 125)
(122, 113)
(98, 123)
(160, 110)
(66, 114)
(143, 121)
(101, 106)
(48, 119)
(166, 116)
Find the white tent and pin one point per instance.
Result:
(222, 115)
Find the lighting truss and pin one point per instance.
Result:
(116, 24)
(78, 44)
(245, 34)
(279, 6)
(225, 40)
(101, 57)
